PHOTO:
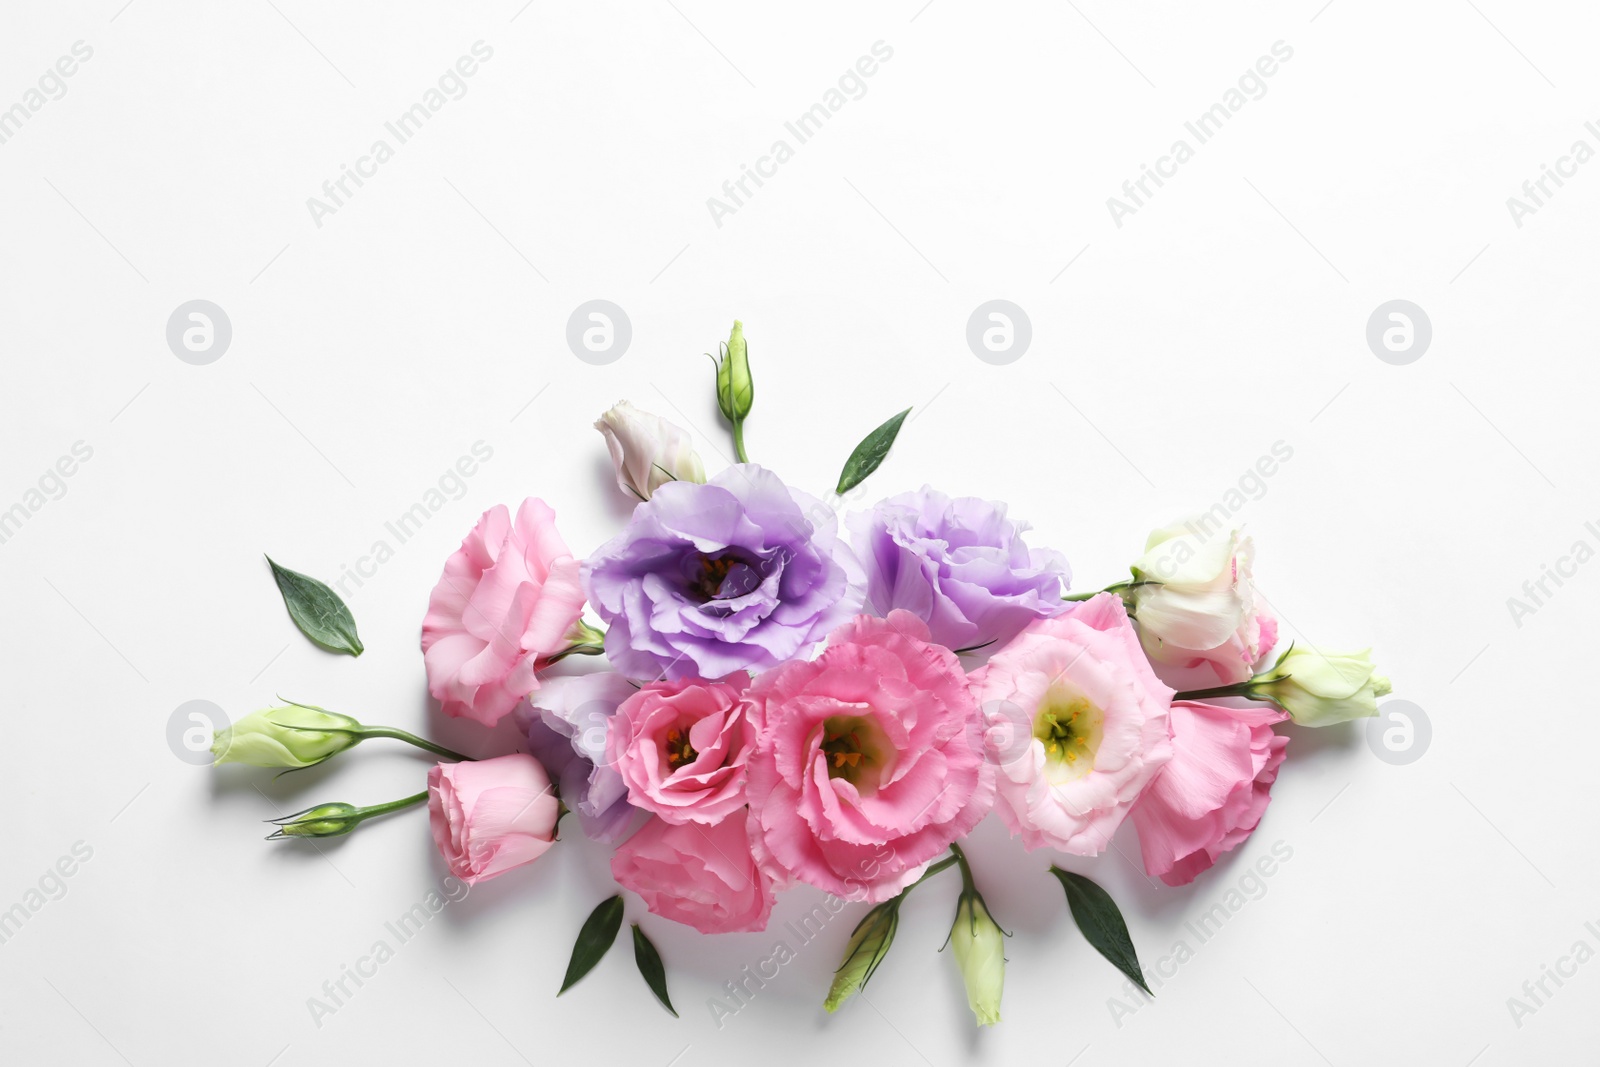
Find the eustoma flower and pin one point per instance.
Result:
(705, 876)
(681, 748)
(960, 565)
(566, 723)
(491, 816)
(1077, 725)
(1197, 607)
(863, 771)
(647, 450)
(741, 573)
(1212, 794)
(509, 598)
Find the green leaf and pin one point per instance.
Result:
(317, 610)
(599, 930)
(1097, 916)
(869, 453)
(655, 974)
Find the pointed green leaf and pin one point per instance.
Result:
(650, 965)
(1102, 925)
(869, 453)
(317, 610)
(599, 930)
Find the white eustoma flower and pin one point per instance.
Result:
(647, 450)
(1196, 605)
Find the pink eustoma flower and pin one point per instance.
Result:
(681, 748)
(1213, 793)
(491, 815)
(1076, 726)
(864, 768)
(507, 599)
(707, 877)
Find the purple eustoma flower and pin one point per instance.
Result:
(565, 720)
(741, 573)
(958, 564)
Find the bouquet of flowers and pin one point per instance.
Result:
(789, 702)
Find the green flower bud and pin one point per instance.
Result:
(869, 944)
(324, 820)
(1320, 689)
(335, 820)
(584, 636)
(294, 736)
(735, 391)
(979, 945)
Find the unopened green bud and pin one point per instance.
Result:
(979, 946)
(293, 736)
(324, 820)
(1321, 688)
(335, 820)
(735, 390)
(869, 944)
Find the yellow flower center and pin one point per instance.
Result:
(1069, 726)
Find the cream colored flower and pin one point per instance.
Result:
(647, 450)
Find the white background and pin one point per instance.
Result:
(429, 313)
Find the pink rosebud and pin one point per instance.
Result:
(705, 876)
(681, 748)
(508, 598)
(1212, 794)
(491, 815)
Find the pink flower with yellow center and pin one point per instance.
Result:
(1075, 726)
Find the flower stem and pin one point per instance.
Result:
(1116, 587)
(1240, 689)
(931, 871)
(393, 805)
(412, 739)
(577, 650)
(738, 441)
(966, 871)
